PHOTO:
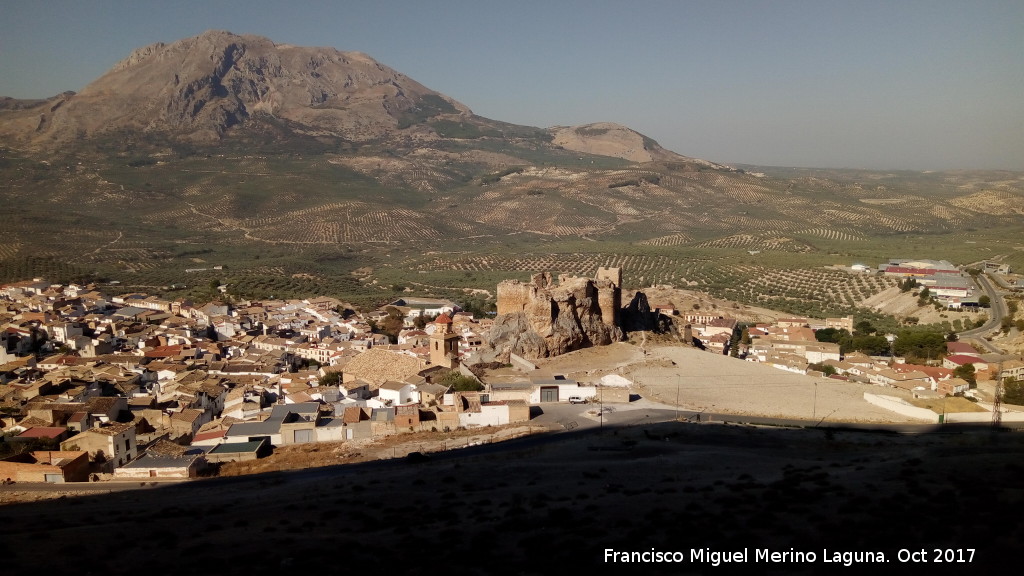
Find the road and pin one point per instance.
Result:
(998, 311)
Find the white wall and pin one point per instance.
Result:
(488, 416)
(899, 406)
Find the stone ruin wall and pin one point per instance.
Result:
(542, 318)
(538, 297)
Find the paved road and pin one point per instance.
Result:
(998, 309)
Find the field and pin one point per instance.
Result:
(364, 226)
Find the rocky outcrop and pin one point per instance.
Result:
(610, 139)
(541, 318)
(638, 316)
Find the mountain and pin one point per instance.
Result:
(207, 88)
(200, 88)
(617, 141)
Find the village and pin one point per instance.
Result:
(135, 387)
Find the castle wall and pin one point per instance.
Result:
(614, 275)
(542, 318)
(539, 298)
(514, 296)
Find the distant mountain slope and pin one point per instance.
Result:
(616, 140)
(200, 87)
(202, 90)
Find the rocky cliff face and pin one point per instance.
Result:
(199, 88)
(541, 318)
(610, 139)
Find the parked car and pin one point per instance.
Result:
(576, 400)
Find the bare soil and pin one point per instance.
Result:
(719, 384)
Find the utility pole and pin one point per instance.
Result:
(677, 397)
(997, 404)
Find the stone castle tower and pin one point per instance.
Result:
(609, 300)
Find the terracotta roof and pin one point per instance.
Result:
(353, 414)
(209, 435)
(43, 432)
(961, 359)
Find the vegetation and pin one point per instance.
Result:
(330, 378)
(1013, 392)
(460, 383)
(967, 373)
(307, 218)
(430, 105)
(920, 345)
(497, 176)
(826, 369)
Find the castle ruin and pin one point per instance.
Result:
(541, 318)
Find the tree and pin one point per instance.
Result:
(873, 345)
(419, 322)
(984, 301)
(966, 372)
(391, 325)
(863, 328)
(460, 383)
(826, 369)
(924, 296)
(330, 379)
(1013, 392)
(1006, 324)
(920, 344)
(832, 335)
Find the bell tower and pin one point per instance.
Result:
(444, 343)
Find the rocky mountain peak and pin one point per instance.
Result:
(199, 88)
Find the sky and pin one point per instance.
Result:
(904, 85)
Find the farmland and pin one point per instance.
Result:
(366, 225)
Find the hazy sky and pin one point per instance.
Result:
(893, 84)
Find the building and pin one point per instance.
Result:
(43, 466)
(444, 343)
(111, 446)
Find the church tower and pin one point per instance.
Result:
(444, 343)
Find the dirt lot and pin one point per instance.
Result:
(903, 304)
(705, 381)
